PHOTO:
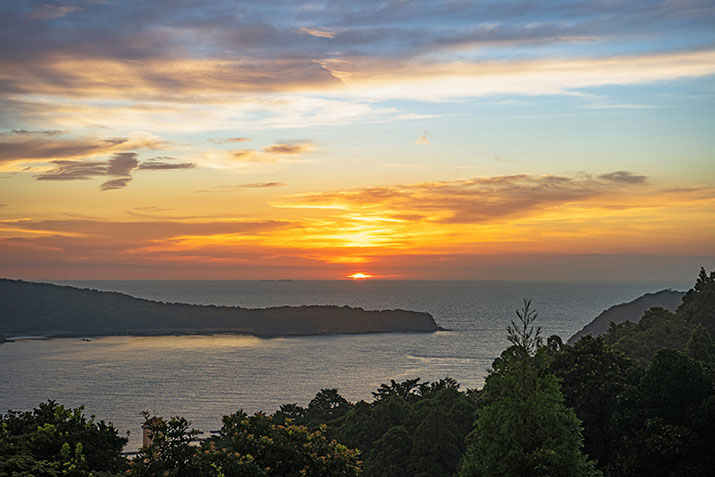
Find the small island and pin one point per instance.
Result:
(28, 308)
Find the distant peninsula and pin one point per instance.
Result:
(631, 311)
(28, 308)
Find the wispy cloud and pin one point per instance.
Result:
(163, 165)
(142, 231)
(234, 187)
(49, 11)
(434, 81)
(41, 146)
(115, 183)
(317, 33)
(282, 152)
(47, 132)
(423, 140)
(476, 200)
(288, 148)
(624, 177)
(120, 165)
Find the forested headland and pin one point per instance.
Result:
(638, 400)
(28, 308)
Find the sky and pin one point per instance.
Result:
(506, 140)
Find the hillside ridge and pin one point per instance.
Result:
(630, 311)
(29, 308)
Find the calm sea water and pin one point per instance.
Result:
(204, 377)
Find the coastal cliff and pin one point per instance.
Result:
(631, 311)
(28, 308)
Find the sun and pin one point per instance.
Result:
(359, 276)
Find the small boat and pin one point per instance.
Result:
(86, 339)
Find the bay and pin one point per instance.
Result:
(205, 377)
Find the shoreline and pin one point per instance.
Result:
(161, 333)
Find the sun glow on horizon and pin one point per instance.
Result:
(359, 276)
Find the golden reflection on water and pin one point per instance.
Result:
(108, 346)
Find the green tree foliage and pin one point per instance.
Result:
(327, 406)
(53, 440)
(659, 328)
(700, 345)
(170, 452)
(665, 420)
(366, 423)
(436, 448)
(390, 454)
(644, 393)
(408, 390)
(410, 428)
(258, 446)
(593, 376)
(292, 411)
(651, 415)
(699, 302)
(525, 430)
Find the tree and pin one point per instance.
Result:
(593, 376)
(526, 430)
(525, 338)
(325, 407)
(699, 302)
(366, 423)
(665, 420)
(255, 445)
(409, 390)
(700, 346)
(436, 449)
(55, 440)
(170, 451)
(658, 328)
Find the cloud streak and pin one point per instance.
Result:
(288, 148)
(317, 33)
(477, 200)
(48, 11)
(41, 146)
(120, 165)
(157, 165)
(497, 219)
(235, 187)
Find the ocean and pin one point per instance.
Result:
(203, 378)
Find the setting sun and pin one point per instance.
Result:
(359, 276)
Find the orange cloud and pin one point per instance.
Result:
(474, 200)
(287, 148)
(466, 220)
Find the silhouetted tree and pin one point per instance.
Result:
(526, 430)
(699, 302)
(665, 420)
(593, 377)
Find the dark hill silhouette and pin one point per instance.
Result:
(631, 311)
(28, 308)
